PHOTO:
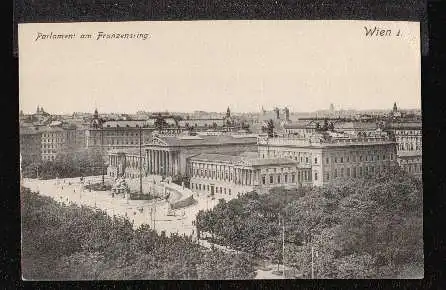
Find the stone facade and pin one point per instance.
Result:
(224, 174)
(125, 163)
(334, 158)
(30, 145)
(169, 155)
(408, 136)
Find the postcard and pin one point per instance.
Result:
(214, 150)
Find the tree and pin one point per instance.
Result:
(72, 243)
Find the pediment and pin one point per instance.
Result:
(157, 141)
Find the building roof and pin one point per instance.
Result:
(39, 129)
(29, 130)
(128, 123)
(127, 151)
(409, 153)
(218, 158)
(51, 129)
(243, 160)
(201, 122)
(406, 125)
(270, 161)
(206, 140)
(356, 125)
(300, 124)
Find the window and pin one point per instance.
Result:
(327, 160)
(306, 159)
(315, 176)
(342, 172)
(293, 178)
(263, 180)
(335, 173)
(271, 179)
(328, 176)
(336, 160)
(342, 159)
(315, 160)
(285, 177)
(348, 172)
(278, 178)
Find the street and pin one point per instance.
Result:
(153, 213)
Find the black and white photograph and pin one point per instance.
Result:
(221, 150)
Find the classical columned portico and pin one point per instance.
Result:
(162, 161)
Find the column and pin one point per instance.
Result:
(174, 161)
(171, 163)
(162, 162)
(152, 161)
(166, 163)
(177, 163)
(166, 153)
(156, 161)
(148, 161)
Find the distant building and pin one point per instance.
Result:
(30, 144)
(301, 128)
(226, 174)
(395, 113)
(333, 156)
(126, 163)
(54, 141)
(109, 135)
(408, 136)
(169, 155)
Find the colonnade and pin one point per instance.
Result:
(245, 176)
(237, 175)
(162, 162)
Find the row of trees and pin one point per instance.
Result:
(66, 165)
(369, 228)
(78, 243)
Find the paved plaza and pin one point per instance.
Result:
(153, 212)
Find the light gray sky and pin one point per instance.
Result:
(201, 65)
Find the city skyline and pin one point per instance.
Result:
(223, 111)
(208, 66)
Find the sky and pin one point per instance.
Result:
(210, 65)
